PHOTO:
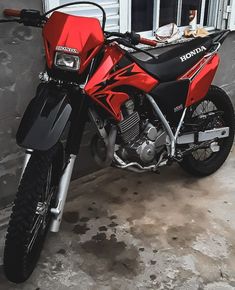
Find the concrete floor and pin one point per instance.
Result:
(130, 231)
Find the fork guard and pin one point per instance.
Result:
(44, 119)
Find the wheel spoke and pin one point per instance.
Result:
(48, 184)
(204, 108)
(41, 211)
(35, 231)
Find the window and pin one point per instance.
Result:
(142, 15)
(168, 12)
(231, 16)
(146, 16)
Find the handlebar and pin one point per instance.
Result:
(12, 12)
(132, 38)
(148, 41)
(28, 17)
(34, 18)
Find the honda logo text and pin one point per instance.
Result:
(192, 53)
(66, 49)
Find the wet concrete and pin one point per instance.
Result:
(128, 231)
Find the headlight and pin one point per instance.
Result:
(67, 61)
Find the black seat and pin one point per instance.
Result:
(170, 65)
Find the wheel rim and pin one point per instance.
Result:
(205, 107)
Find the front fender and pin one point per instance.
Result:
(44, 119)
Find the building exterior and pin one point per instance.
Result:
(146, 16)
(22, 58)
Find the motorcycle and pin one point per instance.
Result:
(148, 114)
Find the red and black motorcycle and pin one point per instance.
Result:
(148, 113)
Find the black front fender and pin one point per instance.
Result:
(44, 119)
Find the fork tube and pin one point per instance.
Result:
(62, 195)
(78, 121)
(28, 154)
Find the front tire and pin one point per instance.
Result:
(209, 165)
(30, 218)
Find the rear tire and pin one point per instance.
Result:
(207, 167)
(23, 243)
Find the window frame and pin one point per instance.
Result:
(231, 17)
(125, 15)
(48, 4)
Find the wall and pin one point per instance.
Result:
(225, 76)
(21, 60)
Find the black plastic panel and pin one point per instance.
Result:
(45, 118)
(171, 98)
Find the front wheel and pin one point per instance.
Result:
(204, 162)
(31, 215)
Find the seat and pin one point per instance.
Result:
(170, 65)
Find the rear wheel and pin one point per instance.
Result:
(31, 215)
(204, 162)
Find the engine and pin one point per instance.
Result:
(139, 140)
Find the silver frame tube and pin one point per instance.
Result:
(180, 124)
(165, 124)
(62, 195)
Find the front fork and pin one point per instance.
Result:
(28, 154)
(62, 189)
(78, 120)
(62, 195)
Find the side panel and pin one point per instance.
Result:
(201, 77)
(45, 119)
(171, 98)
(103, 85)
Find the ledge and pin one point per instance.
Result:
(178, 41)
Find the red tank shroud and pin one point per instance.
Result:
(201, 76)
(81, 33)
(103, 85)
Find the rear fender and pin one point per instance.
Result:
(44, 119)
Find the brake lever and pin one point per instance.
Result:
(128, 44)
(124, 42)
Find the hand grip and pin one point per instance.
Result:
(148, 41)
(12, 12)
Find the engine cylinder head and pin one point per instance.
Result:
(129, 128)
